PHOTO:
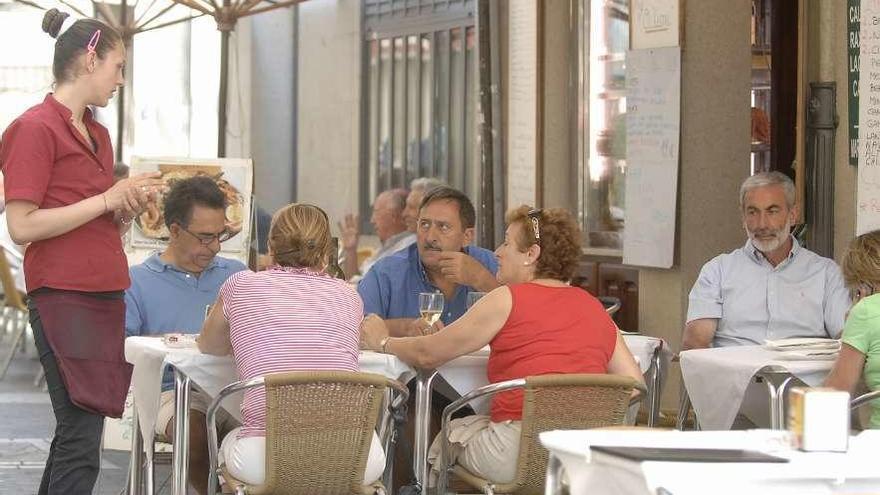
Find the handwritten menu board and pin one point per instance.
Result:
(522, 97)
(653, 121)
(868, 199)
(655, 23)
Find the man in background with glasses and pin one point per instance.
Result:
(171, 291)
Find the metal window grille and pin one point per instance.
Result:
(419, 92)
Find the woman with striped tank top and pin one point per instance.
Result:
(292, 316)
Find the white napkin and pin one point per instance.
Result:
(808, 355)
(804, 343)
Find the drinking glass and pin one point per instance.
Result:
(431, 306)
(473, 297)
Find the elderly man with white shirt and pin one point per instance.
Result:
(771, 288)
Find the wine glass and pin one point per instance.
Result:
(473, 297)
(431, 306)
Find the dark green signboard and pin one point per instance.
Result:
(853, 19)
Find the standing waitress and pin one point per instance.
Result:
(60, 198)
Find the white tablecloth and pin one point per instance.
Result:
(642, 347)
(717, 378)
(805, 473)
(149, 355)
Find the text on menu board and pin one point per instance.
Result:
(868, 199)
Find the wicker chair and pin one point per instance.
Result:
(319, 426)
(551, 402)
(863, 399)
(610, 303)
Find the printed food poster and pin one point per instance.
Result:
(234, 176)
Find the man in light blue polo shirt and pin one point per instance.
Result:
(771, 288)
(171, 291)
(440, 260)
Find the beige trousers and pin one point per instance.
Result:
(486, 449)
(245, 458)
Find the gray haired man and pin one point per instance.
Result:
(771, 288)
(417, 189)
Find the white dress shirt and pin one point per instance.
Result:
(803, 296)
(391, 245)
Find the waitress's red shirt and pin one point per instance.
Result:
(46, 161)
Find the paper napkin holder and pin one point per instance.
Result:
(818, 419)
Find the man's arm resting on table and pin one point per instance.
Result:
(698, 334)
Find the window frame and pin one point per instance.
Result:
(580, 126)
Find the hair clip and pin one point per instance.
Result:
(93, 42)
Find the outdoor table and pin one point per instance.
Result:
(806, 472)
(210, 374)
(716, 380)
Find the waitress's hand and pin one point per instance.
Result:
(132, 195)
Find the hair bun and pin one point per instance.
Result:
(53, 20)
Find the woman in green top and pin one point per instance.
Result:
(860, 349)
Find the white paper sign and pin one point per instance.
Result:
(523, 104)
(868, 199)
(655, 23)
(653, 120)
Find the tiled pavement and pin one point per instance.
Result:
(26, 425)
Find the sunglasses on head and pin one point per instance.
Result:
(535, 216)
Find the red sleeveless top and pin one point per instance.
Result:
(549, 330)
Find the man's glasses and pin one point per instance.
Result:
(207, 239)
(535, 216)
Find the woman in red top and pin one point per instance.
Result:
(60, 199)
(535, 324)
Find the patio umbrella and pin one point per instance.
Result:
(227, 15)
(149, 19)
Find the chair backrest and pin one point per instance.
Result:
(610, 303)
(863, 399)
(565, 402)
(13, 297)
(319, 427)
